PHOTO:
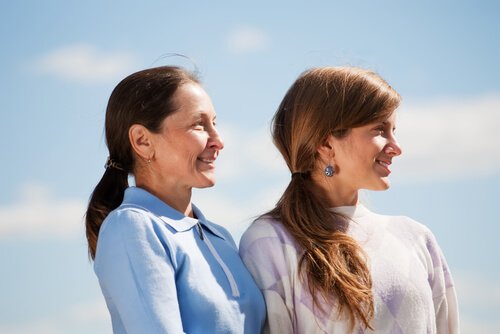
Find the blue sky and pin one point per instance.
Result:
(61, 59)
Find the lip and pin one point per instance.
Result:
(384, 164)
(208, 159)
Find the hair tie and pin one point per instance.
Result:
(110, 163)
(295, 174)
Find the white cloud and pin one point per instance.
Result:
(89, 317)
(36, 214)
(477, 291)
(246, 40)
(84, 63)
(479, 302)
(449, 139)
(247, 152)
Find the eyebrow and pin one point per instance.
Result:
(386, 123)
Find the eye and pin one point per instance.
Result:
(199, 125)
(380, 129)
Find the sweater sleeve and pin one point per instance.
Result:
(443, 290)
(136, 271)
(265, 256)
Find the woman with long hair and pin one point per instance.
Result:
(162, 266)
(324, 262)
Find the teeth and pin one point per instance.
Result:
(383, 163)
(207, 160)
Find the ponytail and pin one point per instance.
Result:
(333, 264)
(107, 196)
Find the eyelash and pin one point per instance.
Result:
(382, 129)
(202, 124)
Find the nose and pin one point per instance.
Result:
(392, 148)
(215, 141)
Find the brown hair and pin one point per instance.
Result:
(145, 98)
(321, 102)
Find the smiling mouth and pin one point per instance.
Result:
(384, 164)
(207, 161)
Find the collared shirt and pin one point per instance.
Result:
(163, 272)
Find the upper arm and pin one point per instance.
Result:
(136, 271)
(265, 256)
(443, 289)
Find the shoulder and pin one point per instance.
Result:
(127, 219)
(406, 227)
(133, 227)
(268, 242)
(413, 232)
(265, 228)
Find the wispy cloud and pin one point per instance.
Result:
(85, 63)
(479, 302)
(247, 39)
(88, 317)
(449, 139)
(37, 214)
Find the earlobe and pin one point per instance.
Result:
(141, 141)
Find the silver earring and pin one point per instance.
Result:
(329, 170)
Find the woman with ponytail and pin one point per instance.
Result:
(162, 266)
(324, 262)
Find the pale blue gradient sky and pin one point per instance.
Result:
(61, 59)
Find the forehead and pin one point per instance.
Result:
(389, 118)
(191, 100)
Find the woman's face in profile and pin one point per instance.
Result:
(188, 144)
(364, 157)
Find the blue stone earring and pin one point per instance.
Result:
(329, 170)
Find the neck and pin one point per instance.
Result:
(334, 195)
(336, 199)
(178, 198)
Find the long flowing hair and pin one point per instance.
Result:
(145, 98)
(322, 102)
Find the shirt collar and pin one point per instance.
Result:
(352, 212)
(138, 197)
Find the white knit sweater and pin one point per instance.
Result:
(412, 286)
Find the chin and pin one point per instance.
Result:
(207, 183)
(205, 180)
(384, 184)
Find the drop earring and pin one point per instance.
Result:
(148, 161)
(329, 170)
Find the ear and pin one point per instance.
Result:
(141, 140)
(326, 148)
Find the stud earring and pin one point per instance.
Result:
(329, 170)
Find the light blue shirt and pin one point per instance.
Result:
(163, 272)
